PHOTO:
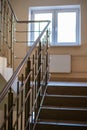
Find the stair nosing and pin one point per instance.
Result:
(68, 84)
(64, 108)
(62, 123)
(61, 95)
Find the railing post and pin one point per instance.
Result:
(10, 112)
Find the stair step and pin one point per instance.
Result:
(78, 114)
(64, 107)
(65, 100)
(65, 88)
(50, 125)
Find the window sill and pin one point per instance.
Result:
(65, 45)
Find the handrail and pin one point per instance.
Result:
(10, 82)
(16, 72)
(22, 21)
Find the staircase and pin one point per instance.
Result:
(64, 107)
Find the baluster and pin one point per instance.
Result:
(27, 88)
(46, 79)
(17, 104)
(4, 21)
(35, 73)
(7, 15)
(47, 75)
(35, 82)
(42, 62)
(21, 124)
(25, 98)
(11, 42)
(5, 110)
(2, 42)
(39, 75)
(10, 112)
(33, 88)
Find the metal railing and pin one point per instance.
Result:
(20, 109)
(6, 31)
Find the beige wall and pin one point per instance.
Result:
(78, 54)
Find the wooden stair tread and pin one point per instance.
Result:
(65, 88)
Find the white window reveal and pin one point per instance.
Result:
(65, 23)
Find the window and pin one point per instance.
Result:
(65, 23)
(44, 16)
(66, 27)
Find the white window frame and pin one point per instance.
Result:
(54, 10)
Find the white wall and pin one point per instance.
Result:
(79, 53)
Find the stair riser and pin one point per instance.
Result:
(63, 115)
(64, 90)
(65, 101)
(52, 127)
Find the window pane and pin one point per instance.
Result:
(66, 27)
(43, 16)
